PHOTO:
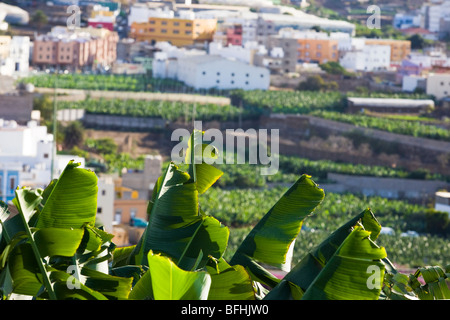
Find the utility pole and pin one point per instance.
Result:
(54, 131)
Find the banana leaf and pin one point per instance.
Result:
(229, 282)
(309, 267)
(164, 280)
(270, 241)
(436, 285)
(71, 201)
(346, 276)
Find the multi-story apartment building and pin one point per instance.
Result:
(179, 31)
(77, 49)
(301, 47)
(400, 49)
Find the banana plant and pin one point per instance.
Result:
(51, 249)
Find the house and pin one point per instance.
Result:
(27, 158)
(411, 83)
(368, 58)
(400, 49)
(14, 55)
(438, 85)
(407, 20)
(304, 46)
(211, 71)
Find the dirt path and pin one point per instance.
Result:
(75, 95)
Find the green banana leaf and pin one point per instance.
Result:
(72, 199)
(309, 267)
(270, 241)
(346, 276)
(112, 287)
(436, 285)
(57, 241)
(164, 280)
(211, 237)
(229, 282)
(173, 283)
(24, 270)
(173, 217)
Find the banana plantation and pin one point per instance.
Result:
(51, 247)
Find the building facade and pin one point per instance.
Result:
(308, 47)
(26, 157)
(438, 85)
(78, 49)
(178, 31)
(400, 49)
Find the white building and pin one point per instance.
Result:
(26, 157)
(368, 58)
(412, 82)
(240, 53)
(15, 55)
(141, 12)
(105, 202)
(205, 72)
(438, 85)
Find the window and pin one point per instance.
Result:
(232, 81)
(103, 192)
(176, 23)
(318, 54)
(217, 81)
(262, 76)
(99, 210)
(307, 46)
(188, 24)
(164, 23)
(218, 73)
(12, 183)
(188, 32)
(232, 74)
(204, 73)
(176, 31)
(152, 21)
(151, 30)
(246, 82)
(247, 75)
(319, 46)
(163, 30)
(45, 155)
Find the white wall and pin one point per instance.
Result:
(223, 74)
(438, 85)
(105, 202)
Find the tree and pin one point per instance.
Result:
(73, 135)
(417, 42)
(316, 83)
(39, 19)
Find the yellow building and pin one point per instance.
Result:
(177, 31)
(400, 49)
(320, 50)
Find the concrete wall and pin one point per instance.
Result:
(392, 188)
(122, 122)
